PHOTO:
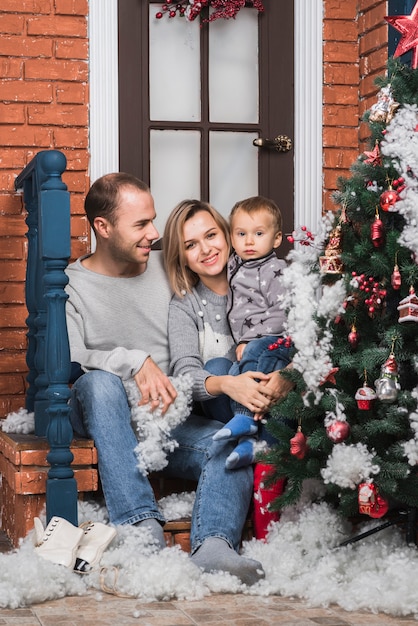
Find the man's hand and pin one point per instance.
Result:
(154, 386)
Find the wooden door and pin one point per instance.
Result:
(175, 138)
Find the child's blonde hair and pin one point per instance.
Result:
(259, 203)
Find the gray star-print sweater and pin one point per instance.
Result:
(254, 300)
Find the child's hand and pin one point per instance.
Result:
(239, 351)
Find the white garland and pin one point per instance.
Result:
(305, 302)
(153, 429)
(401, 143)
(349, 465)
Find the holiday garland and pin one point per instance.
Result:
(191, 9)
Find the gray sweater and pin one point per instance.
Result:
(198, 330)
(254, 302)
(114, 324)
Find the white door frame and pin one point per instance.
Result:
(104, 139)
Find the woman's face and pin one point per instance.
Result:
(206, 250)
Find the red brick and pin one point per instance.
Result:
(374, 62)
(39, 138)
(27, 6)
(11, 248)
(76, 181)
(13, 271)
(340, 30)
(9, 404)
(71, 93)
(77, 160)
(373, 17)
(11, 114)
(58, 115)
(339, 158)
(58, 26)
(72, 49)
(24, 46)
(342, 9)
(340, 95)
(71, 7)
(11, 68)
(75, 137)
(373, 39)
(10, 205)
(366, 5)
(79, 248)
(338, 115)
(14, 226)
(12, 293)
(26, 91)
(12, 317)
(341, 74)
(52, 69)
(340, 136)
(77, 204)
(79, 226)
(335, 52)
(12, 384)
(11, 24)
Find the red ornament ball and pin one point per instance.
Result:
(298, 445)
(388, 199)
(338, 430)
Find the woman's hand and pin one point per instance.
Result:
(245, 389)
(155, 387)
(276, 388)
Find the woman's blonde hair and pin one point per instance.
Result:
(181, 277)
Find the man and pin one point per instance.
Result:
(117, 323)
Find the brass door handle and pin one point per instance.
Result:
(281, 143)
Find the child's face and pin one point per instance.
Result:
(254, 236)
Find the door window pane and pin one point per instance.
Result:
(233, 69)
(174, 65)
(174, 169)
(233, 168)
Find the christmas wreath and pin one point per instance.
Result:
(191, 9)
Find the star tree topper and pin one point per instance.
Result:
(407, 25)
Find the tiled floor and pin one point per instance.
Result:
(232, 610)
(100, 609)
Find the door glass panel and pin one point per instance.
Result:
(233, 168)
(174, 65)
(233, 69)
(174, 169)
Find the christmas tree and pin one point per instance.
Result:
(351, 421)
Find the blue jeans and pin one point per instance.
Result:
(218, 408)
(258, 358)
(100, 410)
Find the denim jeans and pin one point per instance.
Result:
(219, 408)
(258, 358)
(100, 410)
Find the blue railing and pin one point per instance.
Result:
(47, 202)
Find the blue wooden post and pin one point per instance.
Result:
(50, 203)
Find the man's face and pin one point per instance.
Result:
(130, 238)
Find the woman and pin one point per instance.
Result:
(196, 250)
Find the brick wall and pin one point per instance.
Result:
(44, 104)
(355, 52)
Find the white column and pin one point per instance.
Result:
(308, 112)
(104, 112)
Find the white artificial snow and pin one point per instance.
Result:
(401, 143)
(305, 301)
(349, 465)
(301, 558)
(21, 421)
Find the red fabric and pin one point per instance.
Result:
(263, 495)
